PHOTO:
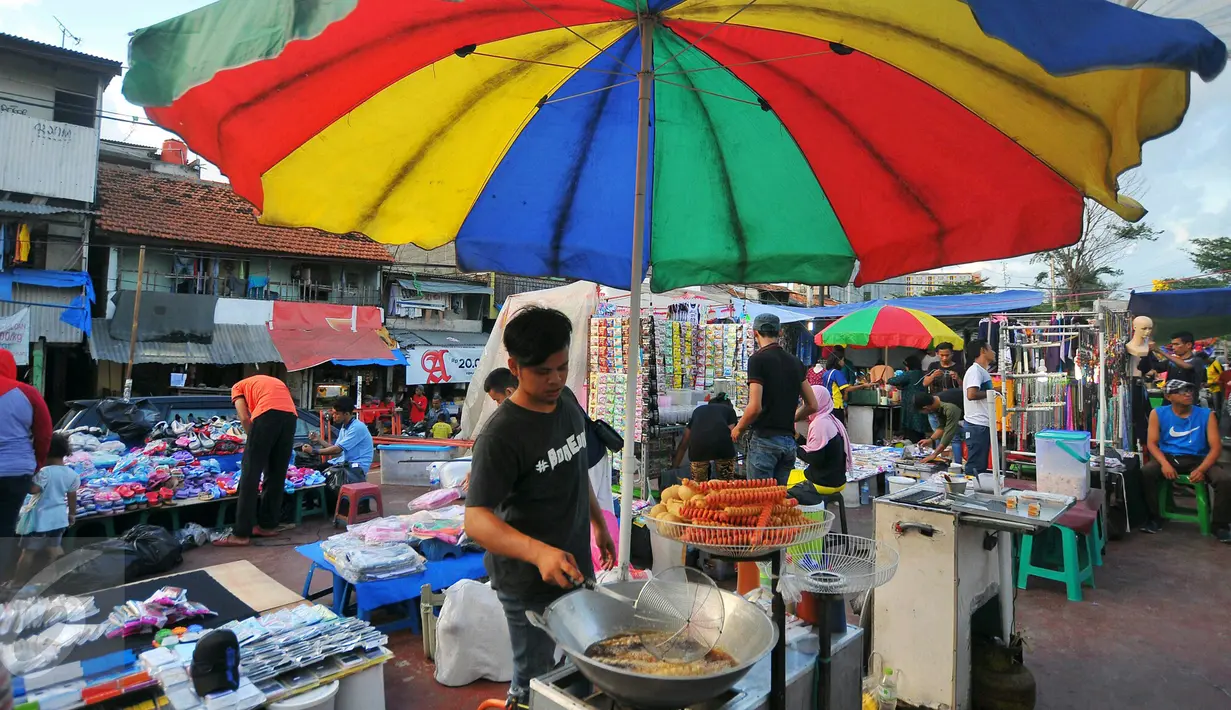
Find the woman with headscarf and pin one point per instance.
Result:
(25, 435)
(827, 453)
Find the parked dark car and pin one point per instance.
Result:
(84, 413)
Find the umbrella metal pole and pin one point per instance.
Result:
(132, 335)
(632, 358)
(1004, 540)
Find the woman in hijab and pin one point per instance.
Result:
(827, 453)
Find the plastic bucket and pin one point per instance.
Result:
(322, 698)
(899, 483)
(363, 691)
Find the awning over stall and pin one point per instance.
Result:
(231, 345)
(939, 306)
(1203, 312)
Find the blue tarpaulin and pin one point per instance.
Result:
(399, 358)
(1204, 312)
(76, 313)
(939, 306)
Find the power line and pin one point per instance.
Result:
(37, 102)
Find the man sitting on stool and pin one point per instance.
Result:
(1183, 440)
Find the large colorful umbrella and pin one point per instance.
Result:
(736, 141)
(888, 327)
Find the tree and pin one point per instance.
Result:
(958, 288)
(1212, 255)
(1087, 270)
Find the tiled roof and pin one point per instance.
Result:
(144, 203)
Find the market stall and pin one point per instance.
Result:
(136, 643)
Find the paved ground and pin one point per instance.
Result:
(1156, 633)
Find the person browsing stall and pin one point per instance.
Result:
(25, 435)
(912, 382)
(976, 384)
(707, 439)
(775, 384)
(839, 384)
(500, 384)
(948, 424)
(946, 372)
(530, 502)
(268, 414)
(1183, 440)
(55, 510)
(353, 445)
(1184, 362)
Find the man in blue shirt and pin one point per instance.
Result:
(1183, 441)
(354, 442)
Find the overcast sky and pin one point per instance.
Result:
(1188, 182)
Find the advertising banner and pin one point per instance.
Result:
(437, 365)
(15, 335)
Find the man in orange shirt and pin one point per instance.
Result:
(268, 414)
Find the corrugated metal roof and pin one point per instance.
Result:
(109, 66)
(10, 207)
(48, 158)
(444, 287)
(421, 338)
(44, 320)
(232, 345)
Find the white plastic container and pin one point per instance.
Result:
(899, 483)
(322, 698)
(1063, 462)
(363, 691)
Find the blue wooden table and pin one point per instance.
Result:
(370, 596)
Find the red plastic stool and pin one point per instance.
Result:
(354, 494)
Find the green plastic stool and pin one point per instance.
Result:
(174, 511)
(223, 504)
(1170, 511)
(1071, 571)
(303, 497)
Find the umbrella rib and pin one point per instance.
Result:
(711, 93)
(544, 13)
(548, 64)
(591, 91)
(702, 38)
(744, 64)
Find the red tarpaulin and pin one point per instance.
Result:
(307, 334)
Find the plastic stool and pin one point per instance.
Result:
(223, 504)
(303, 497)
(174, 511)
(828, 498)
(1170, 511)
(1071, 572)
(354, 494)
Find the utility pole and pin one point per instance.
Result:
(132, 336)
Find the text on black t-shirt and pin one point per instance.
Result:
(531, 468)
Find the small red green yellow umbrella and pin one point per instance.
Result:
(888, 327)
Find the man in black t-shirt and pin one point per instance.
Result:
(946, 372)
(775, 384)
(530, 503)
(708, 440)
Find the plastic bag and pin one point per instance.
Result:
(142, 550)
(132, 421)
(192, 535)
(472, 637)
(434, 499)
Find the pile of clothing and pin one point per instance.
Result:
(378, 549)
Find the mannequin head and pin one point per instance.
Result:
(1143, 328)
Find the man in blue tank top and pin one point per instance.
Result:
(1183, 440)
